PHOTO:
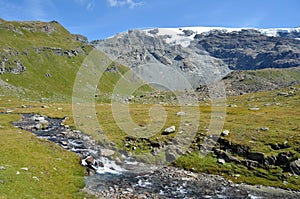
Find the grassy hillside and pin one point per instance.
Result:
(41, 60)
(250, 81)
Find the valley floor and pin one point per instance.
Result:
(265, 124)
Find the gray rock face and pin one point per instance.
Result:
(203, 57)
(148, 53)
(250, 49)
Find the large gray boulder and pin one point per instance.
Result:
(295, 167)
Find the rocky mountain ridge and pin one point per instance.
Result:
(203, 55)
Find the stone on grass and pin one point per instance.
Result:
(282, 158)
(254, 109)
(221, 161)
(282, 93)
(36, 178)
(180, 113)
(225, 133)
(264, 128)
(257, 156)
(169, 130)
(295, 167)
(232, 105)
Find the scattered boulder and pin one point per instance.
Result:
(87, 161)
(226, 156)
(295, 167)
(225, 133)
(170, 156)
(250, 163)
(2, 168)
(180, 113)
(40, 119)
(257, 156)
(90, 171)
(64, 143)
(232, 105)
(221, 161)
(24, 169)
(283, 94)
(267, 104)
(254, 109)
(169, 130)
(107, 152)
(90, 160)
(9, 111)
(100, 164)
(282, 159)
(271, 160)
(36, 178)
(48, 75)
(264, 128)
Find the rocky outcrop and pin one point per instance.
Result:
(250, 49)
(240, 154)
(11, 58)
(61, 52)
(206, 57)
(80, 38)
(146, 51)
(14, 67)
(295, 167)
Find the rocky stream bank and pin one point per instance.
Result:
(113, 178)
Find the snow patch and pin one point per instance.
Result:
(177, 36)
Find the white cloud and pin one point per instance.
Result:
(88, 5)
(120, 3)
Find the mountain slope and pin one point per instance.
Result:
(41, 60)
(204, 54)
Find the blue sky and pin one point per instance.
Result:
(99, 19)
